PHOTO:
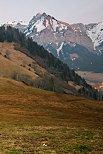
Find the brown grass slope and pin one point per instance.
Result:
(38, 121)
(17, 65)
(27, 105)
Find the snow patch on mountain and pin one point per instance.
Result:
(39, 25)
(58, 25)
(60, 48)
(54, 24)
(96, 34)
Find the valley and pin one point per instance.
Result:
(51, 86)
(94, 79)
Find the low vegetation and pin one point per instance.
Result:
(37, 121)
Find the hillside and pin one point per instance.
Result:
(37, 121)
(18, 66)
(34, 66)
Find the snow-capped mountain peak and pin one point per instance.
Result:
(14, 23)
(45, 29)
(72, 43)
(42, 21)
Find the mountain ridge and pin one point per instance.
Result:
(80, 27)
(62, 40)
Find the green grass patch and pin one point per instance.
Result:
(1, 128)
(14, 151)
(83, 148)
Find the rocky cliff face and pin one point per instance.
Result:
(45, 29)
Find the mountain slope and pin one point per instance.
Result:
(16, 65)
(51, 73)
(64, 41)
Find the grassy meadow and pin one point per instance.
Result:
(35, 121)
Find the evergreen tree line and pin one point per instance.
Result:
(52, 64)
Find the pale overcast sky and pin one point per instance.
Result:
(71, 11)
